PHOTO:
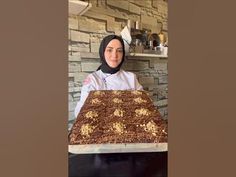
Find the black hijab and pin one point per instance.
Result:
(104, 66)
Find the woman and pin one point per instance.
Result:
(109, 76)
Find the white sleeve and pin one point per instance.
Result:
(86, 88)
(138, 86)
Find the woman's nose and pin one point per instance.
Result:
(114, 53)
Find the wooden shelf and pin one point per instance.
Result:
(147, 55)
(95, 55)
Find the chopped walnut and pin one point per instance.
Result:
(119, 112)
(118, 127)
(136, 92)
(151, 127)
(91, 114)
(142, 112)
(117, 100)
(116, 92)
(98, 93)
(86, 129)
(140, 100)
(95, 101)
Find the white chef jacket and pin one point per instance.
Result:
(121, 80)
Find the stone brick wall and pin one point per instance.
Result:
(110, 17)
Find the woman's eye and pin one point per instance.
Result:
(109, 50)
(120, 50)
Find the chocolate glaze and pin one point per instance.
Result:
(132, 127)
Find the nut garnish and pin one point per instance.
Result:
(117, 100)
(95, 101)
(119, 112)
(151, 127)
(86, 129)
(91, 114)
(118, 127)
(98, 93)
(140, 100)
(116, 92)
(136, 92)
(142, 112)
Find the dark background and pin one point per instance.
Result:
(201, 101)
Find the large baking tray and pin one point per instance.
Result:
(117, 148)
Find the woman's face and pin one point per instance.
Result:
(113, 53)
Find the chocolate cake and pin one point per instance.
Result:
(118, 117)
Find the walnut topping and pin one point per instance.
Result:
(142, 112)
(119, 112)
(86, 129)
(140, 100)
(117, 100)
(118, 127)
(151, 127)
(136, 92)
(91, 114)
(95, 101)
(116, 92)
(98, 93)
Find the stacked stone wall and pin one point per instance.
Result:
(110, 17)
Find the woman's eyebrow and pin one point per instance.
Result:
(113, 47)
